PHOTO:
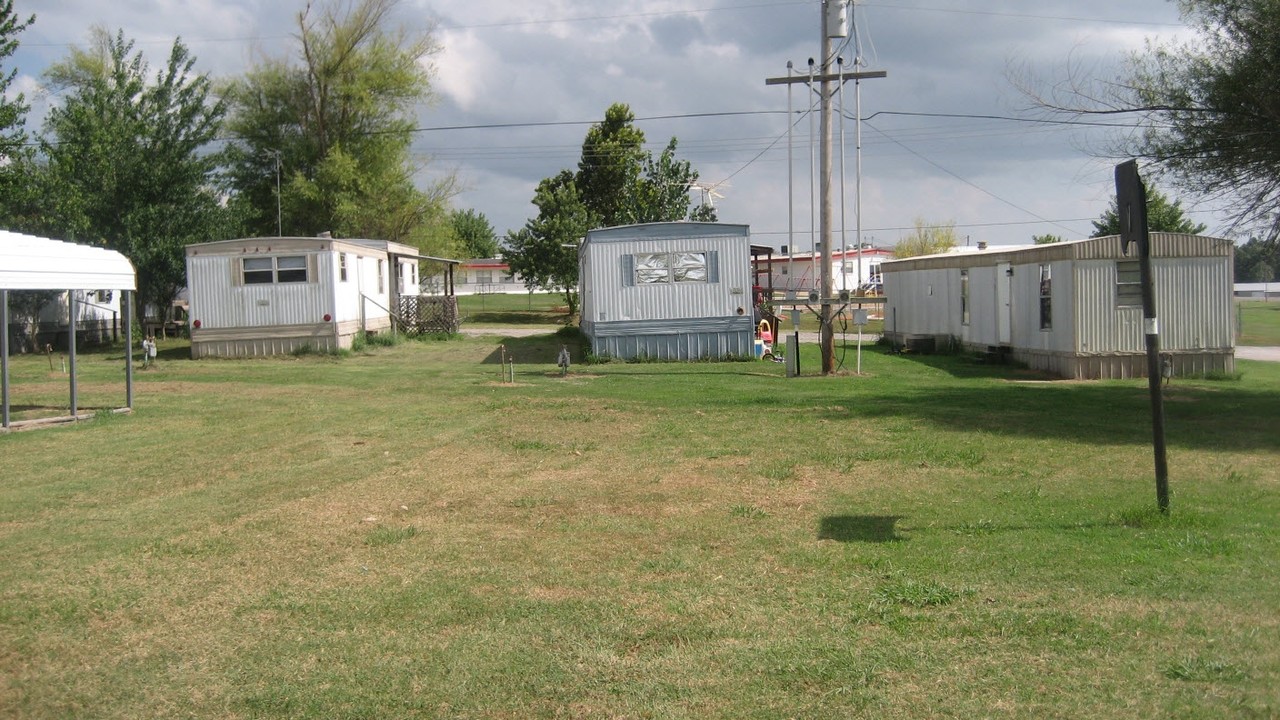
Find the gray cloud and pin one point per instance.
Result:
(509, 62)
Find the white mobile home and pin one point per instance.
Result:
(1072, 308)
(98, 318)
(850, 270)
(669, 291)
(266, 296)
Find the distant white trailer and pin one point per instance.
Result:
(1071, 308)
(275, 295)
(668, 291)
(97, 317)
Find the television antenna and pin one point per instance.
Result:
(709, 192)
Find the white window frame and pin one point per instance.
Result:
(268, 270)
(1046, 297)
(1128, 284)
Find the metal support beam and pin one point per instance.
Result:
(126, 307)
(71, 349)
(4, 358)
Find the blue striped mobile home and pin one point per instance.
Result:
(667, 291)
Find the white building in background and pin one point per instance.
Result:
(803, 271)
(98, 318)
(1071, 308)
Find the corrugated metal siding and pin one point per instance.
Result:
(1163, 245)
(675, 346)
(217, 302)
(608, 300)
(1193, 307)
(926, 302)
(1025, 308)
(1194, 304)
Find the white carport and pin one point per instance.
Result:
(35, 263)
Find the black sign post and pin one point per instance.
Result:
(1131, 206)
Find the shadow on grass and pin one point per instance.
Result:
(859, 528)
(515, 317)
(1220, 415)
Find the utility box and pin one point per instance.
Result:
(793, 355)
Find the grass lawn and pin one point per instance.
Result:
(525, 310)
(399, 533)
(1259, 323)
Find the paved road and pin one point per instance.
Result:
(1258, 353)
(1271, 354)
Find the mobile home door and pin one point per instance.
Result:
(1004, 303)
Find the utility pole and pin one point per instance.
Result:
(1131, 207)
(832, 16)
(834, 25)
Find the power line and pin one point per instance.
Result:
(965, 181)
(1026, 16)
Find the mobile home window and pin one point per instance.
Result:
(1046, 294)
(291, 269)
(964, 296)
(259, 271)
(653, 268)
(689, 267)
(1128, 283)
(268, 270)
(382, 286)
(342, 267)
(664, 268)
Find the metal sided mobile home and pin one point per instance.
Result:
(1073, 309)
(266, 296)
(98, 318)
(667, 291)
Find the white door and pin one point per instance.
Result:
(1004, 303)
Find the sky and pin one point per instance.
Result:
(946, 137)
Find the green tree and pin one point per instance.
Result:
(927, 239)
(618, 183)
(16, 187)
(1207, 108)
(1163, 215)
(127, 159)
(1257, 261)
(323, 138)
(621, 183)
(474, 234)
(544, 252)
(660, 193)
(1047, 239)
(612, 156)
